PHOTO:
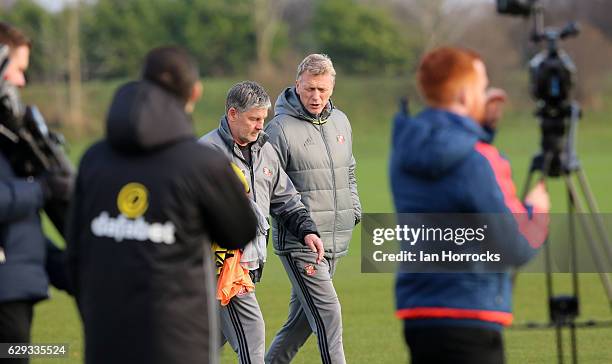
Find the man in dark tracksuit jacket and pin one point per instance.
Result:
(442, 162)
(28, 260)
(241, 138)
(148, 201)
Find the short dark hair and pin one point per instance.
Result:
(172, 68)
(13, 37)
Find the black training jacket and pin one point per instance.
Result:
(148, 201)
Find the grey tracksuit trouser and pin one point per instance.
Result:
(242, 325)
(313, 307)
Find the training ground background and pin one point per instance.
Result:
(371, 332)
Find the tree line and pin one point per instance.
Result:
(107, 39)
(227, 36)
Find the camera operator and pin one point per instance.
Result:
(28, 260)
(443, 162)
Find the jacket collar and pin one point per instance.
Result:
(289, 103)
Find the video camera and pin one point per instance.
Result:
(551, 82)
(32, 149)
(552, 75)
(552, 70)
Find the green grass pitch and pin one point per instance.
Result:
(371, 332)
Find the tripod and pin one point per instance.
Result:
(558, 159)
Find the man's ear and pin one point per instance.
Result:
(196, 91)
(463, 97)
(196, 94)
(231, 114)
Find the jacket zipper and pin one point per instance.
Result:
(252, 175)
(333, 174)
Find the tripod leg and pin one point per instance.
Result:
(527, 184)
(526, 188)
(571, 216)
(574, 343)
(549, 279)
(571, 204)
(592, 204)
(558, 329)
(605, 279)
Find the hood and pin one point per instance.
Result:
(288, 103)
(434, 141)
(228, 139)
(144, 116)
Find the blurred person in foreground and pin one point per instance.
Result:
(442, 161)
(28, 260)
(149, 199)
(314, 141)
(241, 138)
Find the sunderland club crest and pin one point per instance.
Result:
(310, 270)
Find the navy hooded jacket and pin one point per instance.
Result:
(30, 261)
(442, 162)
(148, 201)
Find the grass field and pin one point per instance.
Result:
(371, 333)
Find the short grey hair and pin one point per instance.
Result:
(246, 95)
(316, 64)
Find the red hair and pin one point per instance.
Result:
(443, 72)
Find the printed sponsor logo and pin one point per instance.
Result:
(132, 202)
(121, 228)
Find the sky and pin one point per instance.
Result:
(53, 5)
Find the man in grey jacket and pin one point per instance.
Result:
(241, 138)
(314, 143)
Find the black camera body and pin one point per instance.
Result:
(31, 148)
(552, 70)
(551, 81)
(551, 76)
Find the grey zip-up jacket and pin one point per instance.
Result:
(270, 187)
(317, 155)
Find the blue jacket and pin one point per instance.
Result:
(444, 163)
(30, 258)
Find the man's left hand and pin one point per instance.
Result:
(315, 244)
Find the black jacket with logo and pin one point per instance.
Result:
(148, 201)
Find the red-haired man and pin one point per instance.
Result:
(443, 162)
